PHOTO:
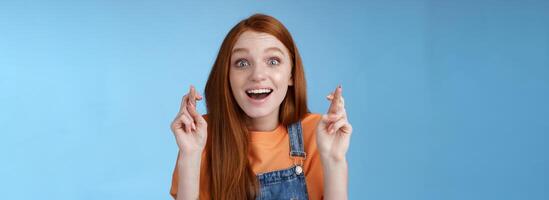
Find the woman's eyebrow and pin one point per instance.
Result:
(236, 50)
(274, 49)
(245, 50)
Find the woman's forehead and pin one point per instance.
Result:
(256, 41)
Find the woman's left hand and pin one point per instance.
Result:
(334, 130)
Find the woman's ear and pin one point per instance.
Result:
(291, 81)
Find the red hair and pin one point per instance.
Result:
(228, 168)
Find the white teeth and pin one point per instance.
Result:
(259, 91)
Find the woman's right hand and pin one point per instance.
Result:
(189, 127)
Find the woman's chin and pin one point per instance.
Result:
(258, 113)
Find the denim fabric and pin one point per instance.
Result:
(296, 140)
(286, 183)
(282, 184)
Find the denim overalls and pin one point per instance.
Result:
(287, 183)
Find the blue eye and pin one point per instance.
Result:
(273, 61)
(242, 63)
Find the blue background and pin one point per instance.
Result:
(449, 100)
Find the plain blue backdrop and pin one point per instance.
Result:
(448, 99)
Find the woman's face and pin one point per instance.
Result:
(260, 73)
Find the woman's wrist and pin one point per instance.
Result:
(189, 159)
(334, 163)
(332, 159)
(335, 177)
(190, 153)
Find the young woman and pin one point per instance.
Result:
(258, 139)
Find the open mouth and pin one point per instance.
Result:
(259, 93)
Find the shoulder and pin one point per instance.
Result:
(310, 120)
(308, 125)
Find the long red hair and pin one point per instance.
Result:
(228, 168)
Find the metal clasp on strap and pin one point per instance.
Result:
(298, 163)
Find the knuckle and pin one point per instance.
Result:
(174, 122)
(184, 119)
(173, 127)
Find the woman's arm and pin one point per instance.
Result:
(335, 178)
(333, 138)
(188, 166)
(190, 130)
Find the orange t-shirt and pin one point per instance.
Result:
(270, 151)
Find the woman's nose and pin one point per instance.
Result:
(259, 73)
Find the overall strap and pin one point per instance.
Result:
(296, 140)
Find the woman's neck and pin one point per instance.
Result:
(265, 123)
